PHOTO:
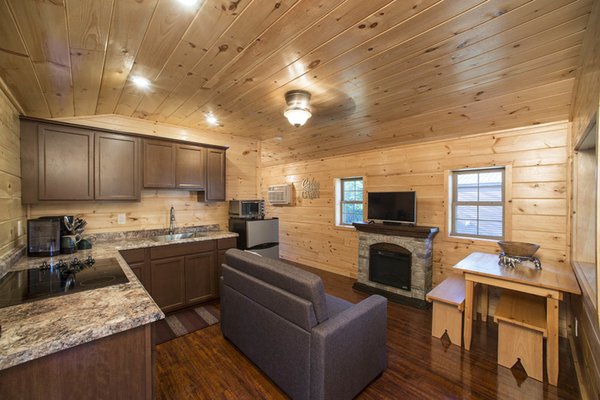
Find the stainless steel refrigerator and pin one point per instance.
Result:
(258, 235)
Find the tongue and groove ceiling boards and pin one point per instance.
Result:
(381, 72)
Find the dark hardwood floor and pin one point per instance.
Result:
(203, 365)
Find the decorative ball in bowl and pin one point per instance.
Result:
(518, 249)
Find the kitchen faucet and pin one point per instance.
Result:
(171, 221)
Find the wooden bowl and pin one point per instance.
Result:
(518, 249)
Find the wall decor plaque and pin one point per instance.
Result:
(310, 189)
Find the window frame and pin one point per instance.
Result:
(454, 203)
(340, 200)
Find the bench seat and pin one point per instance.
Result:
(521, 330)
(448, 304)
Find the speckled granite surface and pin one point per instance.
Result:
(36, 329)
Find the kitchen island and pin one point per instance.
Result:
(90, 344)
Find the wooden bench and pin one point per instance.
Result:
(521, 321)
(448, 304)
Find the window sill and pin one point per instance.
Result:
(344, 227)
(472, 240)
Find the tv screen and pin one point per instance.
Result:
(392, 206)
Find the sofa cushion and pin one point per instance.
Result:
(335, 305)
(284, 276)
(281, 302)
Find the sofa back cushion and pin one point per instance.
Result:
(301, 283)
(283, 303)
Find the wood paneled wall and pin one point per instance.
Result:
(11, 211)
(585, 310)
(586, 93)
(153, 211)
(539, 159)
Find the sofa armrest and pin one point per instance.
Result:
(349, 350)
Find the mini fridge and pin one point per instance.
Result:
(258, 235)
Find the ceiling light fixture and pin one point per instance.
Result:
(140, 82)
(298, 107)
(189, 3)
(211, 119)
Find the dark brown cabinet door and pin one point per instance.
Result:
(222, 245)
(117, 172)
(215, 175)
(138, 261)
(138, 270)
(159, 164)
(217, 277)
(66, 163)
(168, 283)
(199, 278)
(190, 170)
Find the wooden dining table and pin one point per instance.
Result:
(551, 282)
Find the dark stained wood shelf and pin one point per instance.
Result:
(415, 231)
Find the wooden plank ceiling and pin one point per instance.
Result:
(381, 72)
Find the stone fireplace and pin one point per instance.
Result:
(395, 261)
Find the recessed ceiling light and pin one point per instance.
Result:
(211, 119)
(140, 82)
(189, 3)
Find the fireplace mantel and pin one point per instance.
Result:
(414, 231)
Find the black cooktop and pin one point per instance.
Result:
(60, 278)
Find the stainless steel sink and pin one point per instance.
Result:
(200, 234)
(169, 238)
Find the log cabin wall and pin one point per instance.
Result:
(153, 210)
(11, 211)
(585, 310)
(539, 159)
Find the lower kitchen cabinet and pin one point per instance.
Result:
(139, 262)
(139, 270)
(200, 283)
(180, 275)
(168, 283)
(119, 366)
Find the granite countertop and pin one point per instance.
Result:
(36, 329)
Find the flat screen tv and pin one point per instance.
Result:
(400, 207)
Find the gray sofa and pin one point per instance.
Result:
(311, 344)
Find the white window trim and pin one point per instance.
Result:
(338, 202)
(507, 222)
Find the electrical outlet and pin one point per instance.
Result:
(121, 219)
(19, 228)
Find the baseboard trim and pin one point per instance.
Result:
(396, 298)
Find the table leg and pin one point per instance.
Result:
(552, 341)
(484, 299)
(468, 316)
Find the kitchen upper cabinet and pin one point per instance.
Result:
(200, 284)
(168, 283)
(190, 167)
(117, 167)
(65, 163)
(215, 175)
(159, 164)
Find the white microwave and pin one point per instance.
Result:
(247, 208)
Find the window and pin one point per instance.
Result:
(477, 199)
(350, 201)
